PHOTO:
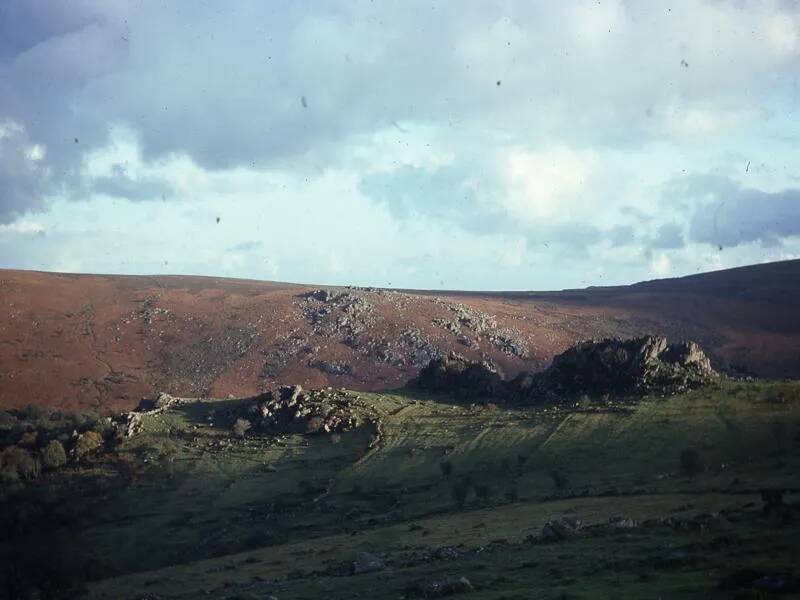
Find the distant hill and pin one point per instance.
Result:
(105, 341)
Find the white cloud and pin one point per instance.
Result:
(371, 142)
(661, 266)
(595, 24)
(23, 226)
(546, 185)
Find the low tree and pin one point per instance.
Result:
(447, 468)
(460, 492)
(560, 478)
(511, 494)
(33, 412)
(88, 443)
(315, 425)
(504, 466)
(483, 492)
(241, 427)
(28, 439)
(779, 432)
(19, 460)
(691, 461)
(53, 455)
(521, 460)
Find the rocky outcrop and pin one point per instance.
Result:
(614, 367)
(461, 378)
(292, 410)
(629, 367)
(561, 529)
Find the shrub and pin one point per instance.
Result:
(315, 424)
(460, 491)
(521, 460)
(88, 443)
(779, 432)
(447, 468)
(33, 412)
(100, 425)
(691, 461)
(53, 455)
(560, 478)
(511, 494)
(241, 427)
(20, 460)
(483, 492)
(28, 439)
(8, 475)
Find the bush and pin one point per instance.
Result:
(460, 491)
(241, 427)
(28, 439)
(53, 455)
(447, 468)
(315, 424)
(33, 412)
(560, 478)
(483, 492)
(691, 461)
(100, 425)
(87, 443)
(19, 460)
(511, 494)
(779, 432)
(521, 460)
(8, 475)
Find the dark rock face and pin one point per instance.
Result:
(463, 379)
(623, 367)
(616, 367)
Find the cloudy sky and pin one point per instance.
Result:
(514, 145)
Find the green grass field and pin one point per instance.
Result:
(201, 513)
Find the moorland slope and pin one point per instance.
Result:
(103, 342)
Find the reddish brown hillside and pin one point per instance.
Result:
(83, 341)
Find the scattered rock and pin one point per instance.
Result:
(447, 553)
(750, 579)
(320, 295)
(365, 562)
(620, 522)
(509, 341)
(439, 588)
(561, 529)
(160, 403)
(333, 367)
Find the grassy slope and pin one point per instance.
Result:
(249, 517)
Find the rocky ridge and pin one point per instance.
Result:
(631, 367)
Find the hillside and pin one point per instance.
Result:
(609, 498)
(104, 342)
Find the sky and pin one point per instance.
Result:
(457, 145)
